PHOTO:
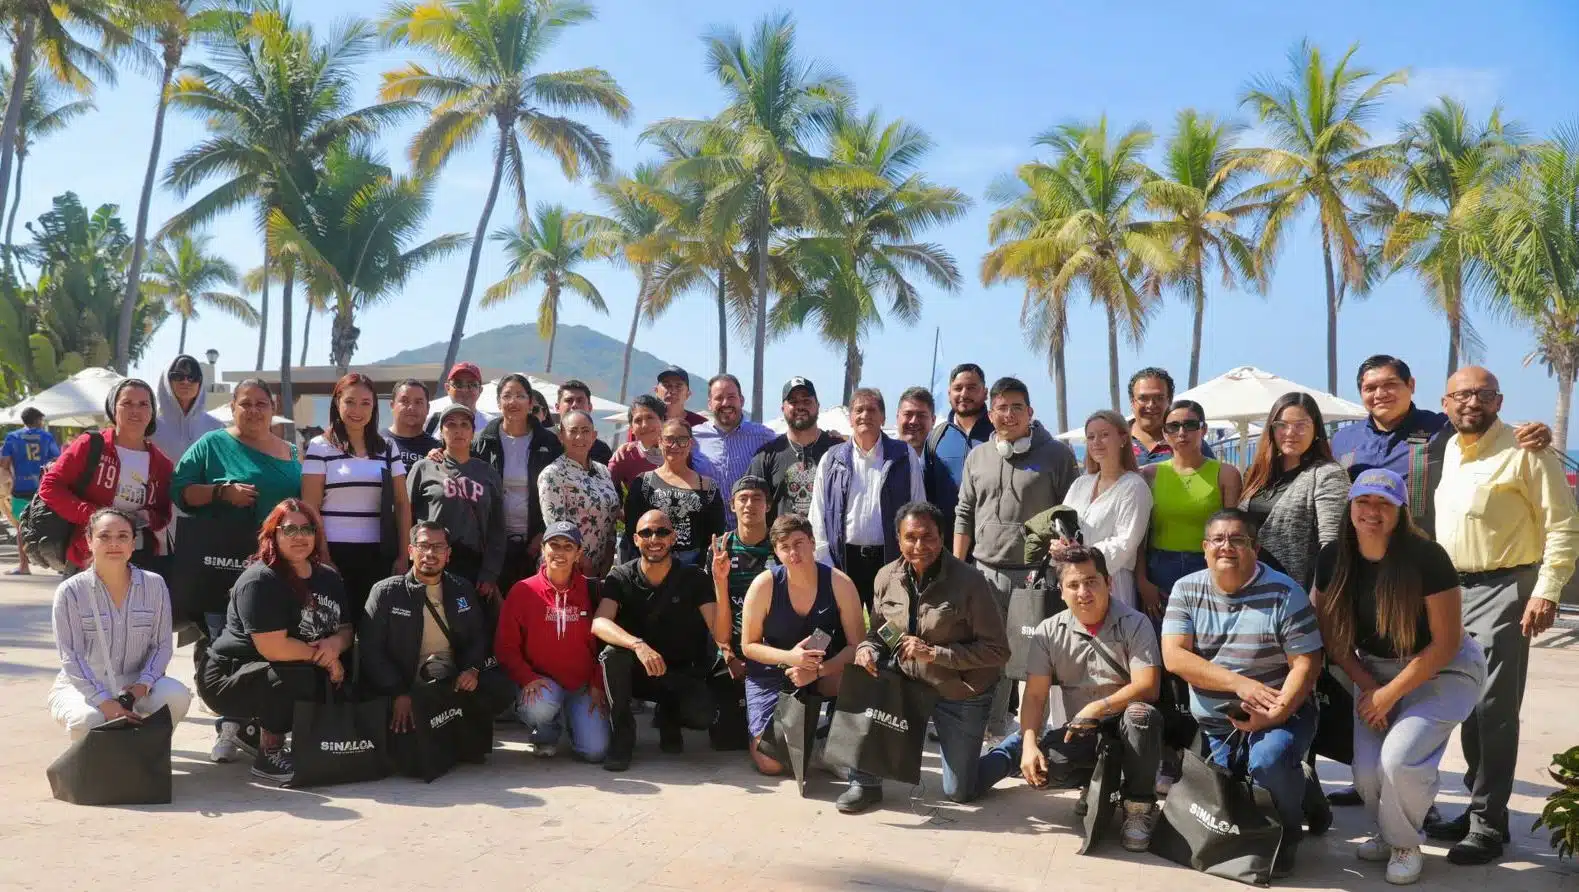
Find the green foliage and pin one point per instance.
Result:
(1561, 814)
(546, 249)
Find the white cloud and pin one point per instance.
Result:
(1477, 88)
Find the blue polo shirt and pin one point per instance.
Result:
(951, 443)
(29, 449)
(1362, 446)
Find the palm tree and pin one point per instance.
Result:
(866, 248)
(168, 25)
(352, 247)
(276, 102)
(761, 166)
(1202, 212)
(183, 273)
(1449, 166)
(1319, 157)
(1532, 250)
(1090, 234)
(45, 112)
(41, 33)
(545, 250)
(487, 53)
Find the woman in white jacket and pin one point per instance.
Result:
(1114, 503)
(112, 629)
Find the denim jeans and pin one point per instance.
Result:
(546, 717)
(961, 726)
(1277, 758)
(1140, 733)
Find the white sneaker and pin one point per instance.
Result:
(228, 746)
(1138, 817)
(542, 750)
(1405, 866)
(1373, 850)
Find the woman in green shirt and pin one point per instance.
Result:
(229, 480)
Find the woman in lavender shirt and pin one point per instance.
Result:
(112, 629)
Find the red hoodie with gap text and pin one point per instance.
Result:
(546, 631)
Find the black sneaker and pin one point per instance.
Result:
(1318, 811)
(249, 738)
(1448, 831)
(1345, 796)
(1082, 807)
(1477, 847)
(671, 739)
(857, 799)
(275, 767)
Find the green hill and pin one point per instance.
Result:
(579, 352)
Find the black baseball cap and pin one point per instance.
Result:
(674, 371)
(798, 381)
(458, 410)
(751, 481)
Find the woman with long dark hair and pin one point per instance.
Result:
(519, 447)
(356, 480)
(693, 502)
(1294, 489)
(288, 625)
(1388, 602)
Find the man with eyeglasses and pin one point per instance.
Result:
(575, 396)
(464, 386)
(656, 618)
(1245, 639)
(1150, 395)
(1506, 517)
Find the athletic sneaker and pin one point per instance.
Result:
(1405, 866)
(234, 742)
(1373, 850)
(1138, 817)
(542, 750)
(274, 766)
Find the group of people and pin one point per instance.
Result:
(706, 562)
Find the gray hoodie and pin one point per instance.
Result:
(179, 428)
(997, 495)
(467, 500)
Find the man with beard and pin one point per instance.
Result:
(917, 417)
(1506, 518)
(967, 425)
(657, 617)
(408, 406)
(1150, 395)
(789, 461)
(729, 441)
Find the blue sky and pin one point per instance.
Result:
(982, 79)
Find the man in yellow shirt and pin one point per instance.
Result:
(1506, 517)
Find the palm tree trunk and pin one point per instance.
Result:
(181, 348)
(1565, 392)
(1055, 369)
(307, 330)
(21, 68)
(470, 283)
(16, 205)
(1112, 356)
(263, 313)
(1332, 310)
(723, 324)
(1455, 324)
(852, 368)
(134, 272)
(759, 338)
(1200, 315)
(553, 335)
(630, 340)
(287, 398)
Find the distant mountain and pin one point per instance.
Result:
(579, 352)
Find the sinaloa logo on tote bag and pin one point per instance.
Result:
(347, 746)
(1212, 822)
(444, 718)
(889, 720)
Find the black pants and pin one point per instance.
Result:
(465, 563)
(683, 695)
(861, 563)
(362, 565)
(519, 563)
(260, 688)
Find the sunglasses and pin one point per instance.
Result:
(655, 533)
(675, 441)
(297, 530)
(465, 385)
(182, 378)
(1190, 426)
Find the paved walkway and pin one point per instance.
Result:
(699, 821)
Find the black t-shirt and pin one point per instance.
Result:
(1436, 575)
(667, 617)
(413, 449)
(791, 470)
(262, 601)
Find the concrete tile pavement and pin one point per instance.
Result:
(702, 820)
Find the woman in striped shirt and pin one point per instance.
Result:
(366, 521)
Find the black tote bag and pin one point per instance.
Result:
(432, 747)
(1218, 822)
(118, 763)
(1028, 607)
(791, 734)
(1105, 790)
(340, 741)
(1334, 719)
(211, 552)
(1179, 727)
(880, 724)
(729, 731)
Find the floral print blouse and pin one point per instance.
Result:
(587, 498)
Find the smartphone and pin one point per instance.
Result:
(1235, 710)
(819, 640)
(891, 634)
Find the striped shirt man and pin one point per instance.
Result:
(1251, 632)
(730, 453)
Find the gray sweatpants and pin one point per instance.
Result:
(1395, 771)
(1003, 583)
(1492, 611)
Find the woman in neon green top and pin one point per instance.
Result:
(1186, 490)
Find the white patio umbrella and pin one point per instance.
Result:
(1245, 395)
(77, 401)
(224, 414)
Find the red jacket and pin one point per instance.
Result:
(546, 633)
(56, 489)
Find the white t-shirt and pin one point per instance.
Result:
(517, 482)
(353, 490)
(131, 488)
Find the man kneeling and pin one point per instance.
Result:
(428, 625)
(1103, 655)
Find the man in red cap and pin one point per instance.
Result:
(463, 386)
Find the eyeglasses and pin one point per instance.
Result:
(465, 385)
(1486, 395)
(1235, 541)
(1294, 427)
(182, 378)
(655, 533)
(675, 441)
(1189, 427)
(298, 530)
(430, 547)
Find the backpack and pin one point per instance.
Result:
(45, 535)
